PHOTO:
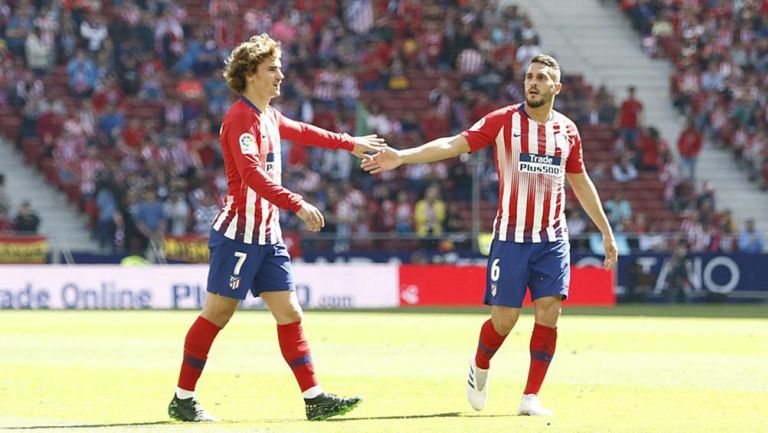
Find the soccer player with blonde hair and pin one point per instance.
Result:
(247, 251)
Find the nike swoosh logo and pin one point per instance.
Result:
(516, 135)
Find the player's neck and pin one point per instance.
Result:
(541, 114)
(259, 101)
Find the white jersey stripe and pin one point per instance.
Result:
(538, 191)
(263, 221)
(250, 212)
(524, 182)
(522, 205)
(552, 187)
(277, 233)
(232, 228)
(224, 212)
(506, 178)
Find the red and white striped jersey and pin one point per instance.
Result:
(250, 144)
(531, 159)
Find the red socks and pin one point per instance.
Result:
(542, 347)
(296, 353)
(196, 346)
(488, 344)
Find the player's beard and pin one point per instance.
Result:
(534, 103)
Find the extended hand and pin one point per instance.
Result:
(311, 216)
(387, 159)
(611, 252)
(367, 143)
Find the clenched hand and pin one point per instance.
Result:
(311, 216)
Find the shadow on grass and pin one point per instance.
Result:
(88, 426)
(373, 418)
(432, 415)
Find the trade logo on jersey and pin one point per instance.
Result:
(540, 164)
(270, 162)
(248, 144)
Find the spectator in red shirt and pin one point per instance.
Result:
(689, 146)
(629, 118)
(650, 144)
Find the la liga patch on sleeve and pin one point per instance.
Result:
(248, 144)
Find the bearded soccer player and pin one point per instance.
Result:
(247, 252)
(536, 149)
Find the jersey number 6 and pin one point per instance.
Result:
(495, 270)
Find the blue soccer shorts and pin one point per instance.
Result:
(512, 267)
(237, 268)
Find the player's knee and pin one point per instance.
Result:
(219, 318)
(287, 314)
(549, 315)
(293, 315)
(503, 325)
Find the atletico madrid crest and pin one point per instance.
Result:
(234, 282)
(493, 290)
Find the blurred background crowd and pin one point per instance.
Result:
(119, 104)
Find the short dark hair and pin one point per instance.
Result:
(547, 60)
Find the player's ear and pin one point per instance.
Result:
(558, 86)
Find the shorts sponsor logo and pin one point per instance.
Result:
(248, 144)
(540, 164)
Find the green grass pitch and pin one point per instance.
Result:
(630, 370)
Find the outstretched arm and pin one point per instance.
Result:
(435, 150)
(311, 135)
(587, 195)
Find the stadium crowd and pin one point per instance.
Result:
(720, 50)
(122, 101)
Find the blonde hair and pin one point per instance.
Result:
(547, 60)
(245, 59)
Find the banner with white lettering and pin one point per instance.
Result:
(184, 286)
(688, 277)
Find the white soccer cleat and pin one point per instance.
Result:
(530, 405)
(477, 386)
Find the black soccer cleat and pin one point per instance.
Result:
(189, 410)
(325, 406)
